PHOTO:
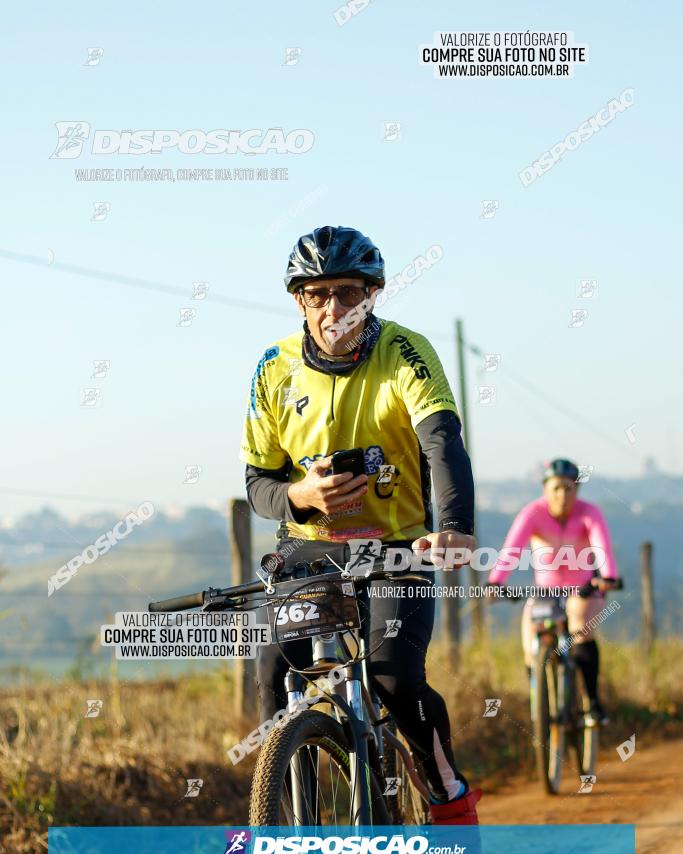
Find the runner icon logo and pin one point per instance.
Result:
(237, 841)
(587, 783)
(492, 707)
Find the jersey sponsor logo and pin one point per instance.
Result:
(410, 354)
(374, 459)
(301, 404)
(352, 508)
(350, 533)
(254, 395)
(307, 462)
(435, 401)
(249, 450)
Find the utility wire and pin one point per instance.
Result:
(71, 497)
(247, 305)
(568, 413)
(131, 281)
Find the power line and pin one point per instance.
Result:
(71, 497)
(117, 278)
(568, 413)
(131, 281)
(125, 548)
(247, 305)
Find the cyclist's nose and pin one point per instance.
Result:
(334, 308)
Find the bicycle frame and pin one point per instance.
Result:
(355, 708)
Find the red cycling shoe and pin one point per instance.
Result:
(462, 811)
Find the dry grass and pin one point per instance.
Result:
(642, 696)
(129, 766)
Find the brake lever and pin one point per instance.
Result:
(215, 601)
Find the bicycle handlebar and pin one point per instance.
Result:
(179, 603)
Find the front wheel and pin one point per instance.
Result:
(303, 777)
(547, 718)
(585, 735)
(406, 805)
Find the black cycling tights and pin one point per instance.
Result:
(587, 657)
(396, 667)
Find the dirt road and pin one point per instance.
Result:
(646, 790)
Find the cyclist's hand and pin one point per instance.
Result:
(433, 548)
(605, 584)
(586, 590)
(326, 492)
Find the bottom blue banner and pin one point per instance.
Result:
(530, 839)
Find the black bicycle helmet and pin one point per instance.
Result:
(560, 468)
(333, 251)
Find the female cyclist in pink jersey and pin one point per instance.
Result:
(563, 531)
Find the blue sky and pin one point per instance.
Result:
(175, 396)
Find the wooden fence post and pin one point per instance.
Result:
(239, 520)
(647, 598)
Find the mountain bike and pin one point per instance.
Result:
(346, 765)
(560, 707)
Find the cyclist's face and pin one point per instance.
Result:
(560, 493)
(326, 324)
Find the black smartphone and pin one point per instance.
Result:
(352, 460)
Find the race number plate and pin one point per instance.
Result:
(318, 605)
(546, 609)
(542, 610)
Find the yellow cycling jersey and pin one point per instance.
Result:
(296, 413)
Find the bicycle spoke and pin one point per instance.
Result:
(322, 784)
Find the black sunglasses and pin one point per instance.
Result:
(348, 295)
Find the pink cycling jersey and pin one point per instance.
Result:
(560, 551)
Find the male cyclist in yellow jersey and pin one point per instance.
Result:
(350, 380)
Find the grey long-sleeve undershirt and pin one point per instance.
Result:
(441, 442)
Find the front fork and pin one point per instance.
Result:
(300, 780)
(358, 753)
(302, 773)
(303, 802)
